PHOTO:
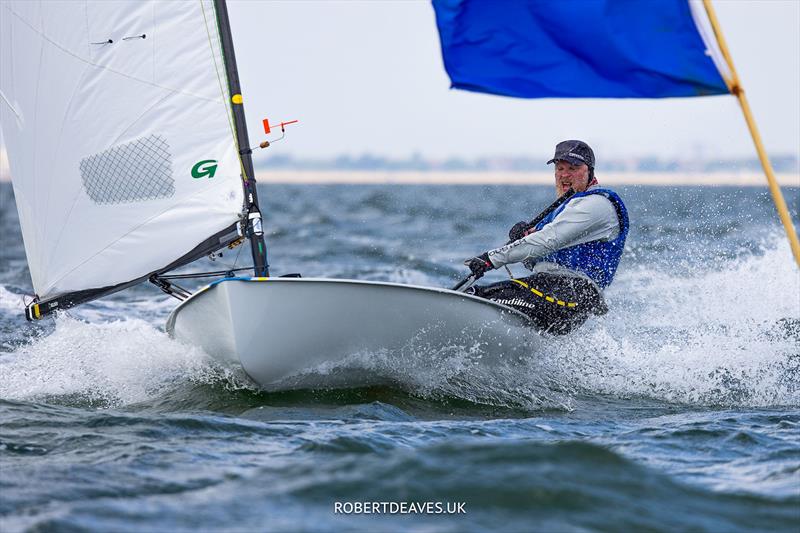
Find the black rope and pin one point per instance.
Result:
(226, 273)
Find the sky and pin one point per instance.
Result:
(367, 77)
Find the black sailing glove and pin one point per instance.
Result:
(517, 231)
(479, 265)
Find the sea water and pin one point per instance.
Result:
(678, 410)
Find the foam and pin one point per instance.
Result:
(12, 302)
(715, 337)
(113, 363)
(468, 370)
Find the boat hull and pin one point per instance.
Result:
(288, 333)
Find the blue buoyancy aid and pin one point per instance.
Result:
(597, 259)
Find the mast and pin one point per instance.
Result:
(254, 228)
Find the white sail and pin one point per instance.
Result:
(117, 123)
(706, 31)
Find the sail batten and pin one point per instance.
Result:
(119, 137)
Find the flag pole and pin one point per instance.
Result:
(735, 87)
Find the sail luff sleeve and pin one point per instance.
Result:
(257, 245)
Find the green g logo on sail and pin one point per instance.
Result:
(206, 167)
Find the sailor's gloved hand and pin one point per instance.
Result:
(517, 231)
(479, 265)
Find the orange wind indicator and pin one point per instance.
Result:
(282, 125)
(268, 130)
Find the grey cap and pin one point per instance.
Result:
(575, 152)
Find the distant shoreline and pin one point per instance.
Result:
(743, 179)
(355, 177)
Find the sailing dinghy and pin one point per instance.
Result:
(291, 332)
(129, 153)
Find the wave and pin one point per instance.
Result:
(723, 337)
(108, 364)
(567, 485)
(726, 336)
(12, 302)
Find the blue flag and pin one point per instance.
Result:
(576, 48)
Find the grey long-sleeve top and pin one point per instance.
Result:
(584, 219)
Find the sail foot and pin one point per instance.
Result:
(38, 309)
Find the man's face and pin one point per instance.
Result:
(571, 176)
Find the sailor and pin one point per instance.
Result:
(573, 252)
